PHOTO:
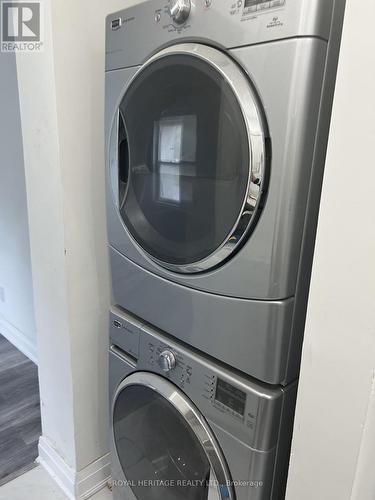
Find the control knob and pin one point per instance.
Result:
(167, 361)
(179, 10)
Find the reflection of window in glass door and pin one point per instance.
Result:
(175, 146)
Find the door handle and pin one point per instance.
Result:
(123, 161)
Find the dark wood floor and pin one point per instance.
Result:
(20, 425)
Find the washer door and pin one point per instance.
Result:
(164, 446)
(190, 150)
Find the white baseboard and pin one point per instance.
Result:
(79, 485)
(93, 478)
(18, 339)
(57, 468)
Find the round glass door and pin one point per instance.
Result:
(163, 449)
(191, 157)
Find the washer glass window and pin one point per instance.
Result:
(159, 454)
(184, 160)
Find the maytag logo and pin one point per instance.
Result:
(21, 26)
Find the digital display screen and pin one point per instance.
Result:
(230, 396)
(250, 3)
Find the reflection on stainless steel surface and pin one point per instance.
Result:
(219, 482)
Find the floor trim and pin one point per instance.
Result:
(76, 485)
(18, 339)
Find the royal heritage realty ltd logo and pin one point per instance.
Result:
(22, 28)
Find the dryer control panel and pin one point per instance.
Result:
(237, 404)
(135, 33)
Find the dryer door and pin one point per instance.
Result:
(164, 447)
(190, 147)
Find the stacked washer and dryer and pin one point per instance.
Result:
(217, 118)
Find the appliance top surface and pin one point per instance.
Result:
(135, 33)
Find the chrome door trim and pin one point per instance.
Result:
(219, 474)
(252, 115)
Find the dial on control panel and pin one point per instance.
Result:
(179, 10)
(167, 361)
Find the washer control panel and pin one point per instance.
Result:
(225, 396)
(236, 403)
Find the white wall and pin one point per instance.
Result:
(333, 452)
(62, 108)
(62, 99)
(16, 297)
(45, 201)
